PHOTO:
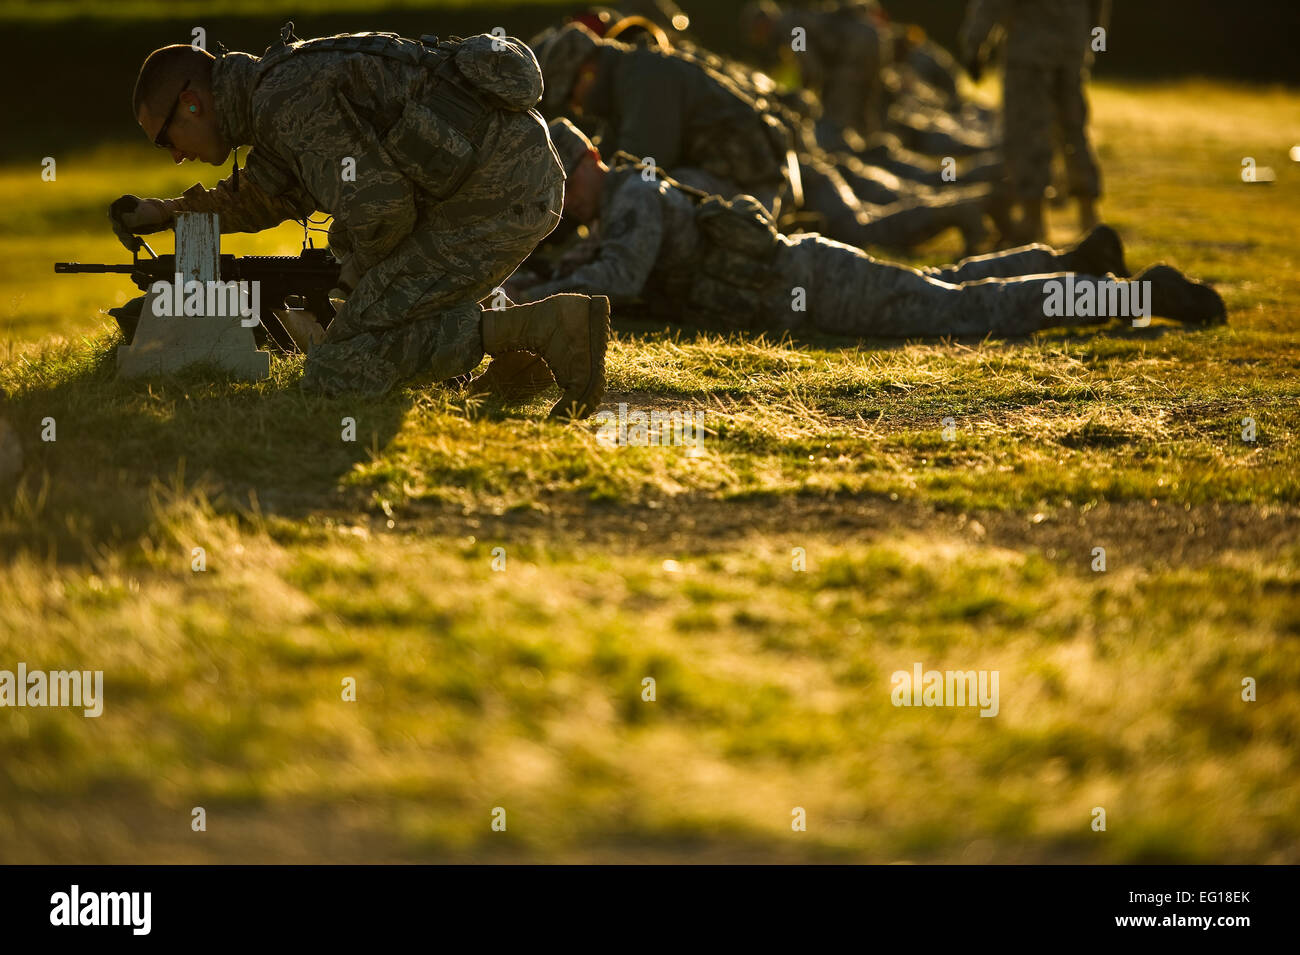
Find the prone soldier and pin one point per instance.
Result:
(676, 249)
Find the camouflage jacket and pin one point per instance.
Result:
(323, 128)
(679, 251)
(1038, 32)
(647, 233)
(681, 113)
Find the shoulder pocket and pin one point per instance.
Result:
(429, 151)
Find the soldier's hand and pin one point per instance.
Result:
(976, 69)
(132, 216)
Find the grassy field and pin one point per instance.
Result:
(522, 687)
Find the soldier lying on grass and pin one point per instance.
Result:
(439, 173)
(685, 253)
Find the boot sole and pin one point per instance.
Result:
(586, 402)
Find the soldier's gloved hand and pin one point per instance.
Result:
(132, 216)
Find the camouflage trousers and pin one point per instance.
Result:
(1044, 105)
(882, 184)
(850, 293)
(935, 133)
(417, 312)
(907, 222)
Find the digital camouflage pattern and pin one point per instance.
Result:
(1047, 54)
(676, 110)
(652, 248)
(425, 249)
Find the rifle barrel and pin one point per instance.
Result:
(78, 267)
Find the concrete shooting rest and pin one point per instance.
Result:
(166, 344)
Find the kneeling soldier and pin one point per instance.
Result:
(440, 175)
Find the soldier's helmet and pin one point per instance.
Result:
(560, 56)
(570, 142)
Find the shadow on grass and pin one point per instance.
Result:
(638, 324)
(248, 448)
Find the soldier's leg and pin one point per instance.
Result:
(913, 221)
(932, 140)
(1100, 253)
(850, 293)
(426, 319)
(417, 311)
(1080, 160)
(445, 333)
(1027, 150)
(901, 225)
(869, 183)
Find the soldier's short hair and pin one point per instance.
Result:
(165, 71)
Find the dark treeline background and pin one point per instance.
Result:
(70, 82)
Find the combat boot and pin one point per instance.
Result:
(1174, 295)
(569, 333)
(513, 375)
(1100, 252)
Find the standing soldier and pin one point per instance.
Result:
(439, 173)
(688, 254)
(1047, 56)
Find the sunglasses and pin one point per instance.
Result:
(161, 140)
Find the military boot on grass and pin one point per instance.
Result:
(569, 333)
(1100, 252)
(1174, 295)
(513, 375)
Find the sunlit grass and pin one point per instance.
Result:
(522, 688)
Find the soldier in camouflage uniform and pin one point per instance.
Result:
(440, 176)
(842, 62)
(658, 104)
(664, 244)
(667, 105)
(1047, 56)
(849, 62)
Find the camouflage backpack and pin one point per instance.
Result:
(435, 139)
(735, 279)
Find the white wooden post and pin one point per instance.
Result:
(167, 343)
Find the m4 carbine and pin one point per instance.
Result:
(309, 276)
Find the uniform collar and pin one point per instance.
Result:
(234, 77)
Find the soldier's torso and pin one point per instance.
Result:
(673, 248)
(302, 105)
(1048, 32)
